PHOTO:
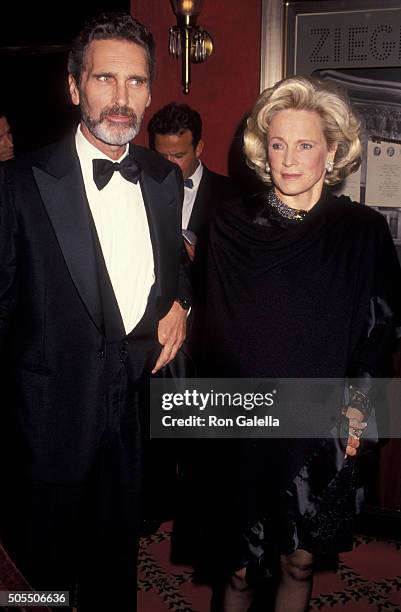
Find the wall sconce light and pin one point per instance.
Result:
(188, 39)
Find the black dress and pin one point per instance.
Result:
(318, 298)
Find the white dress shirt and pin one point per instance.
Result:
(121, 222)
(190, 195)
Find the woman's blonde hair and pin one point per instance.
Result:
(340, 124)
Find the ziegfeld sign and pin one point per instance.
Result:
(346, 39)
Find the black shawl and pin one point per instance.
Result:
(317, 298)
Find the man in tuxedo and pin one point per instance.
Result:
(175, 132)
(93, 299)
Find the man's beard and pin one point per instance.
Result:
(112, 133)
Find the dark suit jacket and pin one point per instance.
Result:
(51, 315)
(212, 191)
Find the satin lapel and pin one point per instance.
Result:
(199, 211)
(65, 201)
(160, 200)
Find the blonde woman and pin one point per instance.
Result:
(300, 284)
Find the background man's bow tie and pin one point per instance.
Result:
(188, 182)
(103, 170)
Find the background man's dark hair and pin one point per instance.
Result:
(106, 26)
(175, 119)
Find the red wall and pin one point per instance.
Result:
(226, 86)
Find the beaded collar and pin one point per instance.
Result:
(283, 210)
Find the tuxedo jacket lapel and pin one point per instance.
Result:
(209, 193)
(62, 190)
(199, 209)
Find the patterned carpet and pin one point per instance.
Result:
(368, 579)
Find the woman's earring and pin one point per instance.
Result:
(267, 168)
(329, 165)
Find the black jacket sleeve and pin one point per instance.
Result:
(8, 256)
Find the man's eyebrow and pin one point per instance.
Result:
(103, 73)
(139, 77)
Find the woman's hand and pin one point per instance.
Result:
(356, 427)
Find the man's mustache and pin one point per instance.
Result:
(118, 110)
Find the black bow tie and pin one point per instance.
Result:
(103, 170)
(188, 183)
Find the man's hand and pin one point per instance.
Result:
(356, 427)
(171, 334)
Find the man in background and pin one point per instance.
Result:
(175, 132)
(6, 139)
